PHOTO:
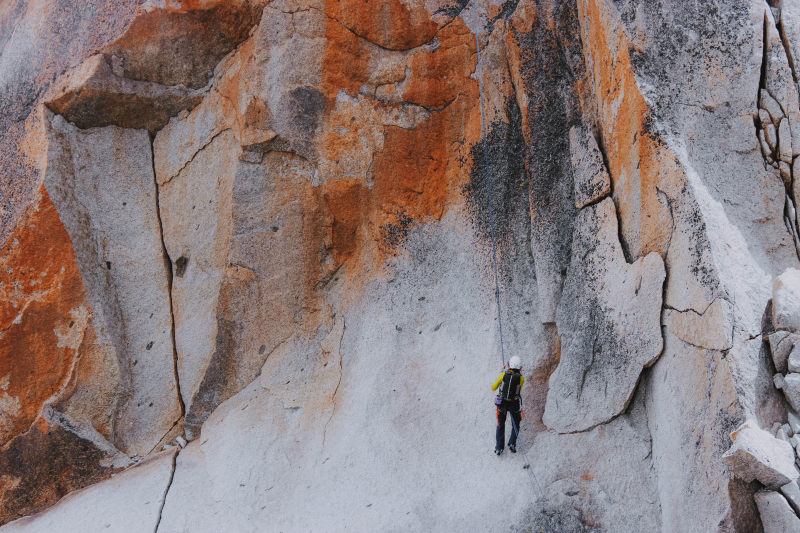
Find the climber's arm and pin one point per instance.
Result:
(499, 381)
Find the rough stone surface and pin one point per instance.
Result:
(262, 230)
(792, 494)
(781, 344)
(776, 514)
(786, 301)
(755, 454)
(791, 390)
(101, 180)
(608, 323)
(131, 501)
(589, 170)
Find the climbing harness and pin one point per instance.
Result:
(534, 482)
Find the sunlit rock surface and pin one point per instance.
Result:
(246, 276)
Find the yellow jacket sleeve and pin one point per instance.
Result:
(499, 381)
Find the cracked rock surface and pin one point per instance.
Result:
(246, 275)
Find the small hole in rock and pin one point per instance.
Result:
(72, 323)
(108, 265)
(149, 345)
(180, 266)
(262, 349)
(274, 229)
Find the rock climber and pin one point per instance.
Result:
(508, 401)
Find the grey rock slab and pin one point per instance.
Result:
(590, 177)
(777, 380)
(756, 454)
(101, 181)
(792, 493)
(608, 319)
(786, 301)
(776, 514)
(791, 390)
(129, 502)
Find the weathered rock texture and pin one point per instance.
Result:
(263, 227)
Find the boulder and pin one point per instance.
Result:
(786, 301)
(781, 344)
(755, 454)
(777, 515)
(791, 390)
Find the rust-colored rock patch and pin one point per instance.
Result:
(42, 315)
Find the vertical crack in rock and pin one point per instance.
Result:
(170, 275)
(336, 389)
(770, 121)
(166, 489)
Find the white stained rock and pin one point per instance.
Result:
(786, 301)
(590, 177)
(780, 345)
(128, 502)
(755, 454)
(776, 514)
(791, 390)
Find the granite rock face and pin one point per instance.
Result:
(246, 245)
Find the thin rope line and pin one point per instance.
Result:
(489, 189)
(534, 481)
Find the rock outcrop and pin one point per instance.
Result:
(247, 279)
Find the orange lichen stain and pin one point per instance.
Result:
(638, 163)
(387, 23)
(588, 476)
(345, 201)
(395, 175)
(438, 77)
(40, 289)
(346, 62)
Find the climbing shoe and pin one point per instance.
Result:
(498, 451)
(513, 448)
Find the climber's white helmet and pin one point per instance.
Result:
(514, 363)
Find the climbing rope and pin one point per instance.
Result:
(489, 189)
(528, 466)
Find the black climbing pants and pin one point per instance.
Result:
(512, 407)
